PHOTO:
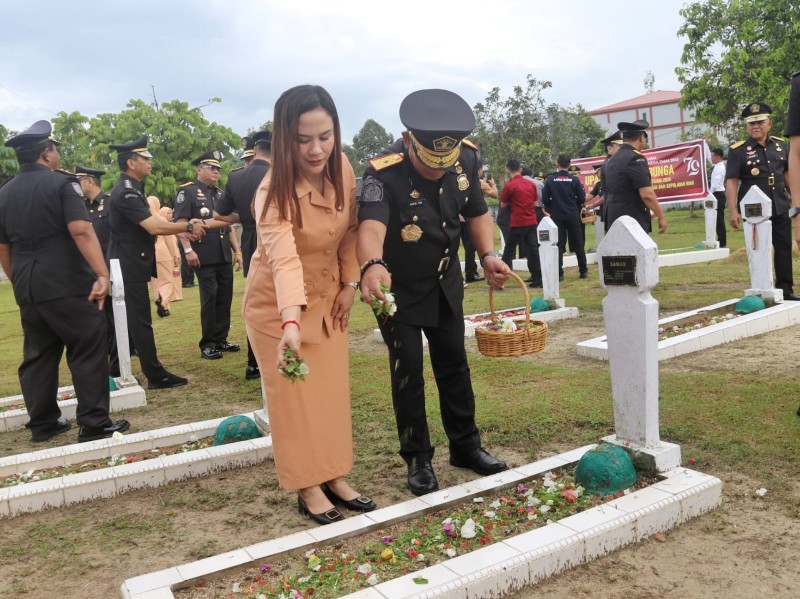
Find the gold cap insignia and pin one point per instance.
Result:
(438, 159)
(444, 144)
(755, 107)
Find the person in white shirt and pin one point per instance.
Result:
(718, 189)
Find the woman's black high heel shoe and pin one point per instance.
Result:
(359, 504)
(162, 312)
(329, 517)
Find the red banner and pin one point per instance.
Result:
(678, 172)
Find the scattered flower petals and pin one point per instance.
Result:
(477, 500)
(468, 530)
(692, 460)
(265, 568)
(761, 492)
(388, 556)
(117, 436)
(364, 569)
(450, 552)
(373, 580)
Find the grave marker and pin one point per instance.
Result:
(710, 212)
(126, 377)
(756, 210)
(628, 271)
(548, 258)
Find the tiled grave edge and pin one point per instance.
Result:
(121, 399)
(748, 325)
(491, 571)
(116, 480)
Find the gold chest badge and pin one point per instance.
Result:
(410, 233)
(754, 172)
(463, 182)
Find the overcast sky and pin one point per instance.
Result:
(93, 56)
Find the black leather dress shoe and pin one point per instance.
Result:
(252, 372)
(169, 381)
(160, 310)
(329, 517)
(478, 460)
(421, 479)
(93, 433)
(225, 346)
(584, 275)
(359, 504)
(791, 297)
(210, 353)
(535, 284)
(62, 425)
(475, 278)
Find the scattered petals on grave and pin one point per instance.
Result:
(369, 559)
(695, 325)
(30, 476)
(21, 406)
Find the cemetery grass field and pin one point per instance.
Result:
(732, 410)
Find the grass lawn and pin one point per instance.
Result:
(732, 420)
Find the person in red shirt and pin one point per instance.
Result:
(521, 195)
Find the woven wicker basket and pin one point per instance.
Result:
(587, 217)
(523, 341)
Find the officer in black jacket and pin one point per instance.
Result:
(563, 198)
(133, 228)
(628, 186)
(596, 196)
(97, 205)
(408, 240)
(210, 257)
(761, 161)
(236, 206)
(51, 255)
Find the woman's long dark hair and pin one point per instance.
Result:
(290, 106)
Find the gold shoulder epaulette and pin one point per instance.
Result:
(737, 144)
(238, 168)
(469, 144)
(187, 184)
(638, 152)
(382, 162)
(778, 138)
(795, 74)
(63, 172)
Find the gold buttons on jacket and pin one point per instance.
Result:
(142, 254)
(446, 251)
(444, 224)
(415, 218)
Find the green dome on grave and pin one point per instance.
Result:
(112, 384)
(539, 304)
(750, 303)
(605, 470)
(235, 428)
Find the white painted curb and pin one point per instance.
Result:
(492, 571)
(773, 318)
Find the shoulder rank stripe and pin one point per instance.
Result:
(737, 144)
(382, 162)
(469, 144)
(638, 152)
(186, 184)
(777, 137)
(236, 169)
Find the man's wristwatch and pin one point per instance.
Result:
(189, 227)
(187, 250)
(794, 211)
(493, 254)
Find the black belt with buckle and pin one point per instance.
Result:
(443, 264)
(771, 180)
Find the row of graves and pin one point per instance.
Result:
(629, 264)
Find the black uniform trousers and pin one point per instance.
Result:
(470, 266)
(187, 273)
(77, 324)
(570, 229)
(722, 233)
(525, 237)
(216, 295)
(782, 253)
(450, 369)
(140, 328)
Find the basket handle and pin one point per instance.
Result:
(527, 301)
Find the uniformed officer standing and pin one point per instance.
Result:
(248, 150)
(97, 205)
(628, 187)
(597, 195)
(563, 198)
(236, 206)
(761, 161)
(408, 240)
(792, 131)
(209, 257)
(133, 228)
(50, 253)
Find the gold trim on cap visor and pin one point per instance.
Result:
(142, 152)
(436, 160)
(211, 163)
(757, 117)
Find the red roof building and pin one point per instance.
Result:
(659, 108)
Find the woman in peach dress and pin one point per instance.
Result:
(300, 289)
(167, 258)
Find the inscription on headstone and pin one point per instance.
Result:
(710, 204)
(544, 235)
(619, 270)
(752, 210)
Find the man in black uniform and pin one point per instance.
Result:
(97, 205)
(236, 206)
(50, 253)
(761, 161)
(628, 187)
(133, 228)
(792, 131)
(210, 257)
(408, 240)
(248, 150)
(563, 198)
(596, 196)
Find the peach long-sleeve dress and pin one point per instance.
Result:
(310, 421)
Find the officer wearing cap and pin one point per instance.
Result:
(210, 257)
(248, 150)
(628, 187)
(236, 206)
(133, 228)
(761, 161)
(563, 198)
(595, 198)
(408, 240)
(97, 205)
(792, 131)
(51, 255)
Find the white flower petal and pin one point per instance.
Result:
(468, 530)
(761, 492)
(373, 580)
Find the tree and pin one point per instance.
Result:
(737, 52)
(370, 141)
(8, 158)
(573, 131)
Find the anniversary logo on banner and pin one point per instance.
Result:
(678, 172)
